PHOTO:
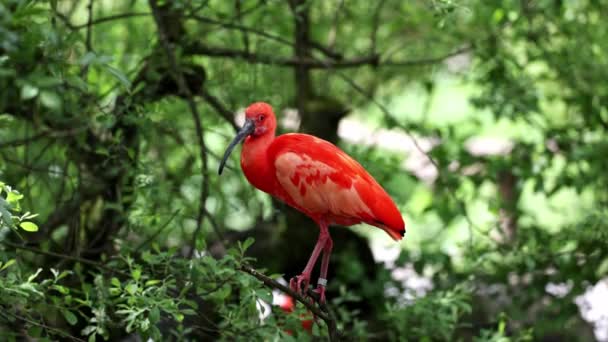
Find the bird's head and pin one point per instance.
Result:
(259, 121)
(262, 117)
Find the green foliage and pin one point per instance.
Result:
(433, 317)
(10, 207)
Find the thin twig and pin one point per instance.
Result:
(110, 18)
(183, 88)
(158, 231)
(66, 257)
(244, 29)
(60, 332)
(41, 135)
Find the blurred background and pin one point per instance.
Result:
(485, 121)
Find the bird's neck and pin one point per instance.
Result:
(255, 163)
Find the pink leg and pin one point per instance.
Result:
(322, 282)
(304, 278)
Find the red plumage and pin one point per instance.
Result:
(315, 177)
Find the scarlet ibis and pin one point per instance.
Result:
(315, 177)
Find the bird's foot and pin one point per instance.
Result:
(320, 290)
(297, 282)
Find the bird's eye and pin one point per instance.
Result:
(261, 118)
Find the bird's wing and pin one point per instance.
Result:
(325, 182)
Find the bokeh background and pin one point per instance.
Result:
(485, 121)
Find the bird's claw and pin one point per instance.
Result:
(320, 290)
(296, 283)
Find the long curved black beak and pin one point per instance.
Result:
(246, 130)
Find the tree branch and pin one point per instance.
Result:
(109, 18)
(314, 63)
(220, 52)
(322, 311)
(229, 25)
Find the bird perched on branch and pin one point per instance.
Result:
(315, 177)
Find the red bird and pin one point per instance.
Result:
(315, 177)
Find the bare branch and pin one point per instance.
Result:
(314, 63)
(111, 18)
(229, 25)
(213, 51)
(425, 61)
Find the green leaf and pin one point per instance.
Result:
(247, 244)
(34, 331)
(115, 282)
(29, 226)
(152, 282)
(189, 312)
(5, 215)
(50, 99)
(7, 264)
(62, 289)
(28, 91)
(136, 274)
(13, 197)
(131, 288)
(69, 316)
(122, 78)
(154, 315)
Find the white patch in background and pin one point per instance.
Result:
(486, 146)
(386, 254)
(264, 309)
(290, 120)
(593, 305)
(239, 117)
(416, 285)
(55, 171)
(357, 132)
(416, 162)
(559, 290)
(278, 298)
